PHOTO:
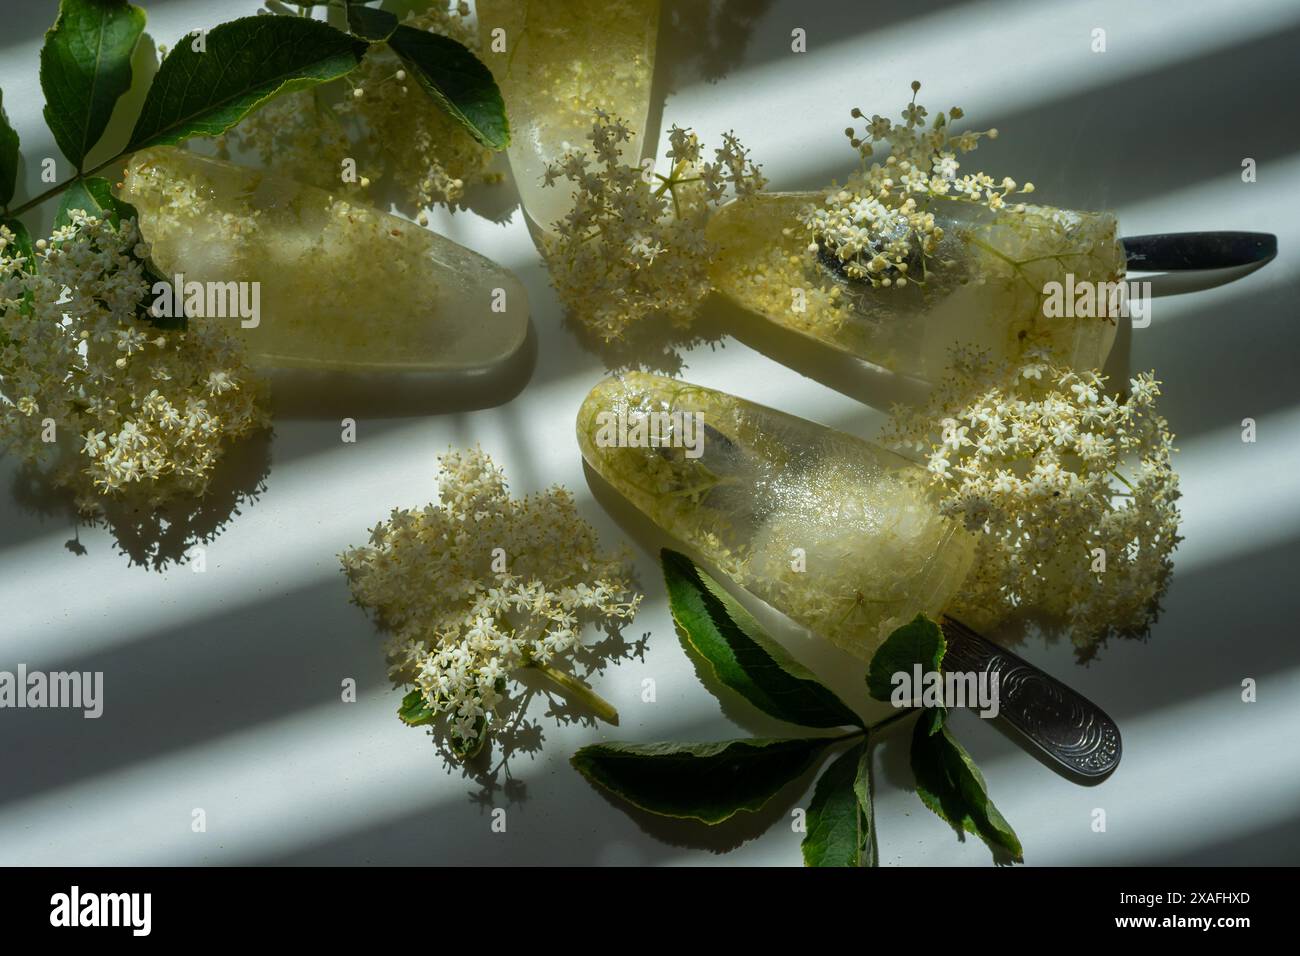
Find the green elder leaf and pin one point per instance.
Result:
(949, 783)
(8, 156)
(920, 641)
(839, 817)
(244, 63)
(706, 782)
(457, 81)
(370, 22)
(85, 67)
(414, 710)
(95, 196)
(741, 655)
(862, 790)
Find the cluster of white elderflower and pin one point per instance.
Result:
(633, 246)
(1072, 490)
(377, 116)
(880, 225)
(108, 403)
(482, 585)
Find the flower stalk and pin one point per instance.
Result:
(577, 689)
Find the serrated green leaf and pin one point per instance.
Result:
(862, 790)
(992, 824)
(85, 67)
(950, 785)
(934, 718)
(371, 23)
(246, 62)
(920, 641)
(8, 156)
(706, 782)
(95, 196)
(741, 655)
(839, 818)
(457, 81)
(414, 710)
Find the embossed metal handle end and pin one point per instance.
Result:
(1064, 725)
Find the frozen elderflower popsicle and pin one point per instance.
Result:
(339, 286)
(558, 62)
(838, 533)
(988, 291)
(908, 260)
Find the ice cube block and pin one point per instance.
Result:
(840, 534)
(984, 287)
(341, 286)
(562, 61)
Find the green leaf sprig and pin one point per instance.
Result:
(712, 782)
(208, 82)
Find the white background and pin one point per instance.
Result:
(222, 688)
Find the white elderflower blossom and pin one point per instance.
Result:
(633, 246)
(881, 224)
(483, 585)
(148, 410)
(1073, 491)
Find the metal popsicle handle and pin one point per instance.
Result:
(1066, 726)
(1191, 251)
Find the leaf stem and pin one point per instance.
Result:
(580, 690)
(60, 187)
(905, 712)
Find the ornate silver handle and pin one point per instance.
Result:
(1064, 725)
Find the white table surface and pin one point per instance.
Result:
(222, 688)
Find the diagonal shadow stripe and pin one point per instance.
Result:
(1156, 132)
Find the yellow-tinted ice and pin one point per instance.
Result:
(340, 286)
(563, 60)
(839, 534)
(985, 286)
